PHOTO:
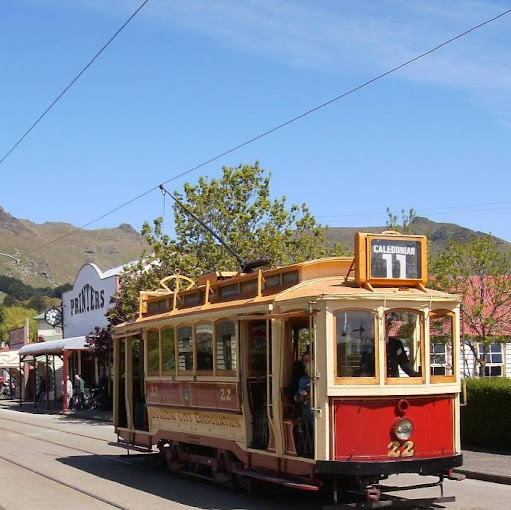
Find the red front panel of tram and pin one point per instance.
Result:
(362, 429)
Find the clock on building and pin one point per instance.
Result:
(53, 316)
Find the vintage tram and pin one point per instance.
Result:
(332, 373)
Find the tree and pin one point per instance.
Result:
(239, 208)
(406, 220)
(481, 275)
(100, 345)
(15, 317)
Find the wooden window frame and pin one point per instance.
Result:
(445, 378)
(359, 380)
(194, 347)
(166, 373)
(196, 350)
(218, 371)
(400, 381)
(153, 373)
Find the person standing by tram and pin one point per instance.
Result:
(306, 415)
(80, 391)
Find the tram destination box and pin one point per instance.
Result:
(391, 259)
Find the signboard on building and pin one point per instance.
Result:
(85, 305)
(18, 337)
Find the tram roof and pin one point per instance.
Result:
(320, 279)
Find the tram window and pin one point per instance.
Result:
(247, 287)
(185, 348)
(168, 351)
(355, 344)
(257, 349)
(229, 290)
(273, 281)
(153, 352)
(290, 277)
(441, 335)
(403, 334)
(204, 341)
(226, 354)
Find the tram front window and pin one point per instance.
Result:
(403, 341)
(355, 344)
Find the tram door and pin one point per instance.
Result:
(134, 384)
(298, 422)
(258, 386)
(122, 418)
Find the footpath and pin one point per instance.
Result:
(56, 408)
(480, 465)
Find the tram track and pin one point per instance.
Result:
(68, 447)
(52, 428)
(81, 450)
(64, 484)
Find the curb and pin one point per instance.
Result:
(485, 477)
(40, 410)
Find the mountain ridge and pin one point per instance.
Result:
(51, 253)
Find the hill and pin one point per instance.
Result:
(59, 262)
(439, 234)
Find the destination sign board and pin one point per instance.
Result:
(383, 259)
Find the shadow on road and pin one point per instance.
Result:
(136, 473)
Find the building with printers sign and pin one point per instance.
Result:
(84, 309)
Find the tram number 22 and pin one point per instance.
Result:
(225, 395)
(395, 450)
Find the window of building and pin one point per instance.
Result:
(355, 334)
(441, 333)
(185, 348)
(153, 352)
(226, 352)
(403, 344)
(168, 351)
(204, 341)
(494, 360)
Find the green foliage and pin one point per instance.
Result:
(486, 419)
(407, 218)
(481, 275)
(15, 317)
(21, 294)
(239, 208)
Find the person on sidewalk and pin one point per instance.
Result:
(80, 391)
(69, 391)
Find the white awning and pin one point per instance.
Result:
(76, 343)
(9, 359)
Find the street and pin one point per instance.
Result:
(52, 462)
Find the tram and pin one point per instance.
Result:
(329, 374)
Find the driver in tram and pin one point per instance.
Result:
(396, 356)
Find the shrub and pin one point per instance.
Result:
(486, 419)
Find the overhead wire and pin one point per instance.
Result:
(280, 126)
(71, 83)
(455, 208)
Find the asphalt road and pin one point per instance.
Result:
(52, 462)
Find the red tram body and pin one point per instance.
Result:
(213, 374)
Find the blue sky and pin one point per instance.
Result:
(188, 79)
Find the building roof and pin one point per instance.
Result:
(77, 343)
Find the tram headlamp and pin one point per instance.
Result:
(403, 429)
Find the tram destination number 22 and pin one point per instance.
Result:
(395, 259)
